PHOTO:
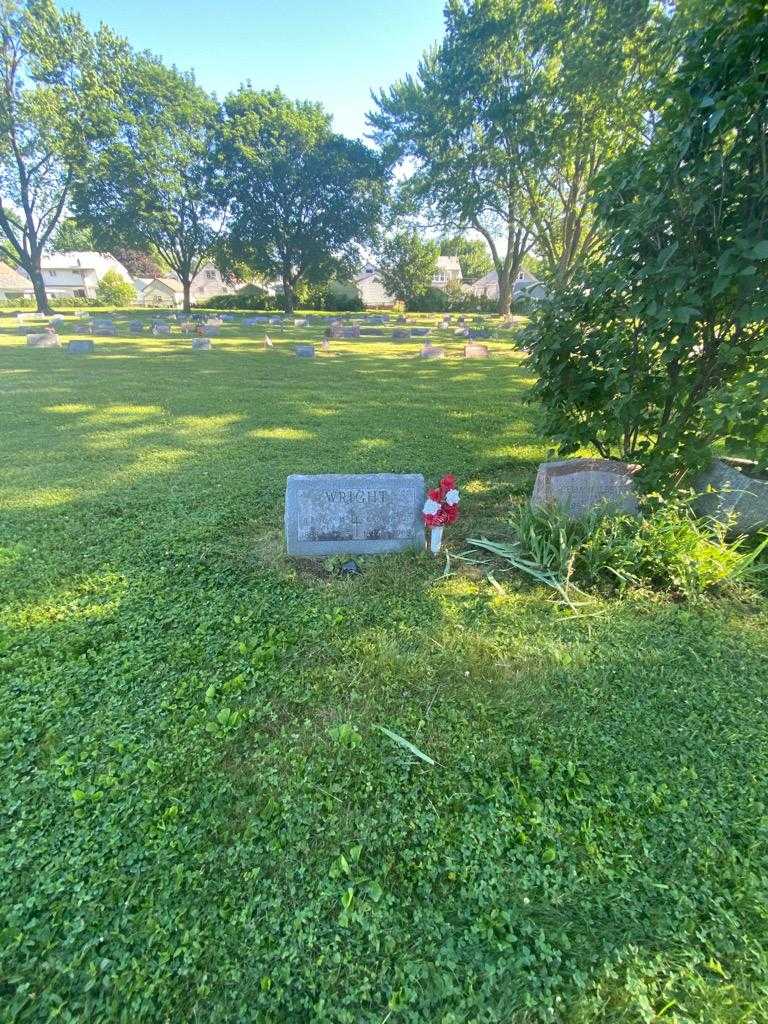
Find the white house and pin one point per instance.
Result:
(372, 291)
(447, 272)
(168, 290)
(78, 273)
(525, 284)
(14, 285)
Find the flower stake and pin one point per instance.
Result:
(440, 509)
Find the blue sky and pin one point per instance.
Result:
(334, 51)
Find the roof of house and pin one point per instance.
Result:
(100, 262)
(448, 263)
(10, 278)
(491, 279)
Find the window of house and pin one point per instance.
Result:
(52, 273)
(79, 293)
(210, 274)
(440, 277)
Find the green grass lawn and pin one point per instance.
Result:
(200, 821)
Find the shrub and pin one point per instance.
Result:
(669, 550)
(113, 290)
(662, 351)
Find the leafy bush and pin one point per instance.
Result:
(250, 297)
(669, 550)
(451, 300)
(113, 290)
(662, 350)
(336, 295)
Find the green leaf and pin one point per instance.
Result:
(405, 744)
(760, 251)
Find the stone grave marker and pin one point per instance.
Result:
(326, 344)
(479, 332)
(304, 351)
(461, 332)
(48, 339)
(161, 330)
(106, 328)
(201, 344)
(419, 332)
(430, 352)
(401, 333)
(300, 321)
(579, 485)
(350, 332)
(476, 351)
(728, 495)
(136, 326)
(80, 346)
(211, 330)
(367, 514)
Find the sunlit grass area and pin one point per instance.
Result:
(201, 821)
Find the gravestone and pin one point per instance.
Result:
(430, 352)
(300, 321)
(161, 330)
(350, 332)
(419, 332)
(276, 321)
(475, 333)
(476, 351)
(107, 330)
(136, 326)
(48, 339)
(728, 495)
(402, 320)
(579, 485)
(371, 332)
(214, 321)
(211, 330)
(356, 515)
(201, 344)
(326, 344)
(461, 332)
(400, 333)
(80, 346)
(304, 351)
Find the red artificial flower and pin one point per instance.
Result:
(448, 482)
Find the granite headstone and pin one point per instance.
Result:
(580, 485)
(80, 346)
(356, 515)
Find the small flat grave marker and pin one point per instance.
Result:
(48, 339)
(430, 352)
(401, 333)
(419, 332)
(476, 351)
(80, 346)
(304, 351)
(201, 344)
(368, 514)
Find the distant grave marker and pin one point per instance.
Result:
(476, 351)
(80, 346)
(304, 351)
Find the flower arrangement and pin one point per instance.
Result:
(441, 509)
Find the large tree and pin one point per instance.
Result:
(512, 117)
(303, 198)
(152, 187)
(59, 95)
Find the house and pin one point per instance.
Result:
(447, 272)
(372, 291)
(525, 285)
(77, 274)
(160, 291)
(14, 285)
(169, 291)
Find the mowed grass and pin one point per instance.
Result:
(201, 821)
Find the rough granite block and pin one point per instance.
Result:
(369, 514)
(730, 496)
(579, 485)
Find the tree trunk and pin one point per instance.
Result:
(39, 288)
(505, 291)
(290, 299)
(186, 284)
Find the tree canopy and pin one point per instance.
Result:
(60, 94)
(512, 116)
(303, 198)
(152, 187)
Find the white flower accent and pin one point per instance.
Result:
(452, 497)
(431, 507)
